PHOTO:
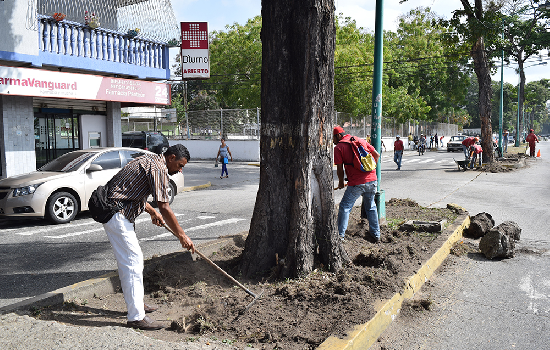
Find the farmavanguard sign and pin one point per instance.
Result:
(43, 83)
(195, 55)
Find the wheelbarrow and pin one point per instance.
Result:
(462, 164)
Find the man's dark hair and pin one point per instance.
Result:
(179, 150)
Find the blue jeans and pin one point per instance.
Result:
(397, 155)
(465, 149)
(368, 191)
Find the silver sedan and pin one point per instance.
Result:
(61, 189)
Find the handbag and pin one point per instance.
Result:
(225, 160)
(101, 208)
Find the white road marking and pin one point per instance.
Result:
(79, 233)
(195, 228)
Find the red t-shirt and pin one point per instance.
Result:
(468, 141)
(398, 145)
(478, 149)
(531, 138)
(343, 154)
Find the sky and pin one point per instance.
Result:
(220, 13)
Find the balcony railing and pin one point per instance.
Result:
(77, 40)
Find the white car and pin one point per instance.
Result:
(61, 189)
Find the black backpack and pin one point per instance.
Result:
(101, 208)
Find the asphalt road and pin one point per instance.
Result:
(482, 304)
(37, 257)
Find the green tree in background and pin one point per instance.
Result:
(236, 64)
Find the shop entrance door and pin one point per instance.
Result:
(55, 134)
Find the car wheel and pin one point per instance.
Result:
(61, 208)
(171, 192)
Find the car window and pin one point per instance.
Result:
(68, 162)
(128, 156)
(154, 139)
(109, 160)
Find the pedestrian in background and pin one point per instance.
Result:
(436, 139)
(431, 141)
(531, 139)
(411, 142)
(129, 189)
(441, 140)
(223, 154)
(398, 151)
(359, 183)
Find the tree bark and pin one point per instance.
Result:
(483, 72)
(294, 218)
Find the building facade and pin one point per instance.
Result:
(64, 76)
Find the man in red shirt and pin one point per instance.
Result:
(469, 141)
(531, 139)
(475, 152)
(398, 151)
(360, 183)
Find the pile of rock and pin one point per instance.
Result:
(496, 241)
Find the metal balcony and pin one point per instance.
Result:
(77, 47)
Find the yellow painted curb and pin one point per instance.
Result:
(363, 336)
(193, 188)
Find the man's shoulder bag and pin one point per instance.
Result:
(101, 208)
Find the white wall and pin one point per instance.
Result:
(247, 151)
(15, 37)
(90, 122)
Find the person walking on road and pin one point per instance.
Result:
(531, 139)
(359, 183)
(398, 151)
(130, 188)
(411, 142)
(223, 154)
(466, 143)
(436, 139)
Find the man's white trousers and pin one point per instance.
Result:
(129, 259)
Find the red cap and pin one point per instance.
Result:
(338, 130)
(531, 130)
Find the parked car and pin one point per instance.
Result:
(153, 141)
(61, 189)
(455, 143)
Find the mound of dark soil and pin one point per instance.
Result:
(197, 301)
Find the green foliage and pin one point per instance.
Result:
(235, 64)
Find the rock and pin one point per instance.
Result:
(500, 241)
(511, 229)
(480, 224)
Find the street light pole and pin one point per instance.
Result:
(376, 129)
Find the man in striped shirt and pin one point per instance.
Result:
(130, 187)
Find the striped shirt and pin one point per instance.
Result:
(143, 176)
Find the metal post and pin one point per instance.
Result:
(376, 131)
(517, 124)
(501, 107)
(258, 122)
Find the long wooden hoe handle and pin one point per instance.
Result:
(217, 267)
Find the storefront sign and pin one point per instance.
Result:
(195, 55)
(43, 83)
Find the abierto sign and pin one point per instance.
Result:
(44, 83)
(195, 55)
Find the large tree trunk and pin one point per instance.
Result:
(483, 72)
(294, 217)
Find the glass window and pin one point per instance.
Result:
(109, 160)
(128, 156)
(68, 162)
